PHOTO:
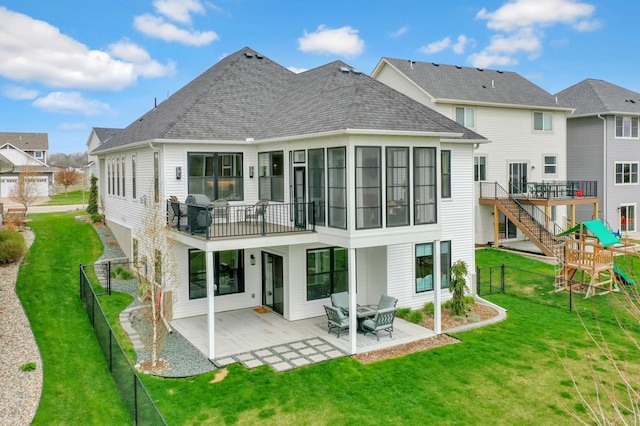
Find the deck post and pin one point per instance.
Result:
(209, 277)
(496, 226)
(353, 317)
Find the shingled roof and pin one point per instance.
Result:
(246, 95)
(26, 141)
(473, 85)
(592, 97)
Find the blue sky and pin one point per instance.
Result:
(69, 65)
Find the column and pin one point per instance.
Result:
(437, 288)
(353, 316)
(211, 324)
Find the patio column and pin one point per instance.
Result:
(353, 317)
(437, 288)
(208, 256)
(496, 226)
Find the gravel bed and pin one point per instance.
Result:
(20, 391)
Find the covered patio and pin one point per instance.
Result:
(255, 338)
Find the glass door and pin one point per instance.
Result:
(299, 195)
(518, 178)
(272, 282)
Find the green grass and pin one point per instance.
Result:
(73, 197)
(78, 388)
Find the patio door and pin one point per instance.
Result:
(518, 178)
(299, 195)
(272, 282)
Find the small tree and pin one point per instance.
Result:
(67, 177)
(458, 285)
(92, 208)
(25, 191)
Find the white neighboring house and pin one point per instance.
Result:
(97, 137)
(25, 152)
(527, 129)
(369, 191)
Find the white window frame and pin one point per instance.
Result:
(633, 174)
(629, 227)
(469, 116)
(545, 164)
(544, 128)
(476, 168)
(631, 126)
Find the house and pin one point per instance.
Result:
(25, 153)
(363, 189)
(602, 145)
(522, 173)
(98, 136)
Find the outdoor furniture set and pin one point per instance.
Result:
(371, 319)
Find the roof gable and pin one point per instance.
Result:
(26, 141)
(473, 85)
(592, 97)
(18, 157)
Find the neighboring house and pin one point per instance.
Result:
(602, 145)
(25, 153)
(97, 137)
(368, 190)
(527, 153)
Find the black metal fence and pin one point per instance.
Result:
(135, 396)
(500, 278)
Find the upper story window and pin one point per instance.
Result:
(424, 185)
(217, 175)
(550, 164)
(397, 186)
(271, 177)
(466, 116)
(543, 121)
(133, 175)
(337, 187)
(38, 154)
(626, 173)
(627, 127)
(479, 168)
(445, 173)
(368, 187)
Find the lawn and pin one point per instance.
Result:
(513, 372)
(72, 197)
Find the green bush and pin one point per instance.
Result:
(12, 246)
(447, 305)
(92, 208)
(122, 273)
(415, 317)
(95, 218)
(403, 312)
(30, 366)
(429, 308)
(469, 300)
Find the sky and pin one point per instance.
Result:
(67, 66)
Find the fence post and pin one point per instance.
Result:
(502, 278)
(478, 290)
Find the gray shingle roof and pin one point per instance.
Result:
(26, 141)
(246, 95)
(104, 133)
(591, 97)
(474, 85)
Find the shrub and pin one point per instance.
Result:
(122, 273)
(92, 208)
(30, 366)
(12, 246)
(95, 218)
(458, 286)
(429, 308)
(469, 300)
(403, 312)
(447, 305)
(415, 317)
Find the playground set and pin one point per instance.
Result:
(588, 253)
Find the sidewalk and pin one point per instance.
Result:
(35, 208)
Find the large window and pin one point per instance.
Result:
(118, 163)
(368, 187)
(217, 175)
(327, 272)
(424, 266)
(445, 173)
(550, 165)
(228, 273)
(124, 162)
(133, 176)
(626, 127)
(465, 116)
(626, 173)
(336, 167)
(271, 175)
(424, 185)
(397, 186)
(316, 183)
(543, 121)
(156, 176)
(479, 168)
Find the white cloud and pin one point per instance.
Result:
(399, 32)
(587, 25)
(140, 59)
(527, 13)
(70, 103)
(73, 126)
(35, 51)
(521, 41)
(436, 46)
(461, 44)
(340, 41)
(179, 10)
(19, 93)
(156, 26)
(485, 60)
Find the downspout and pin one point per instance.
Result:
(604, 168)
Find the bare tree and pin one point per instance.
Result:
(25, 190)
(66, 178)
(157, 278)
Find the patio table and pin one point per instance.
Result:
(362, 313)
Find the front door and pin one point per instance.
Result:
(518, 178)
(299, 197)
(272, 282)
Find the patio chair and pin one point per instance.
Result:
(179, 213)
(341, 301)
(387, 302)
(220, 209)
(382, 321)
(336, 319)
(256, 212)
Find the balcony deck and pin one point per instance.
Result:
(565, 193)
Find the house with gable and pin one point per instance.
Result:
(97, 137)
(602, 145)
(22, 153)
(281, 189)
(521, 189)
